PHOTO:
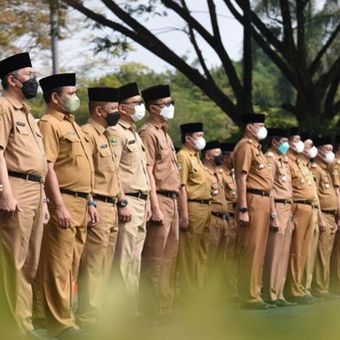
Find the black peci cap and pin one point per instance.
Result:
(56, 81)
(128, 91)
(214, 144)
(253, 118)
(227, 146)
(324, 140)
(191, 127)
(14, 62)
(103, 94)
(156, 92)
(278, 132)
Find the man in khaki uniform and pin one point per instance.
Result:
(335, 259)
(97, 258)
(254, 184)
(308, 154)
(133, 206)
(213, 160)
(23, 211)
(68, 186)
(303, 202)
(161, 244)
(329, 208)
(280, 234)
(194, 212)
(231, 197)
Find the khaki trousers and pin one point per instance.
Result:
(311, 256)
(229, 264)
(59, 264)
(302, 216)
(193, 250)
(130, 242)
(20, 244)
(320, 284)
(96, 264)
(335, 265)
(217, 246)
(159, 260)
(277, 254)
(252, 243)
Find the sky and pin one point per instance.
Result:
(76, 50)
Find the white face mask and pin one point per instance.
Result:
(168, 112)
(312, 152)
(299, 146)
(139, 112)
(261, 133)
(200, 143)
(329, 157)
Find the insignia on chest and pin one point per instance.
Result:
(113, 141)
(20, 123)
(283, 178)
(131, 141)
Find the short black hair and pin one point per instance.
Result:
(184, 135)
(48, 94)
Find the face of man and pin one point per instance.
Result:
(108, 113)
(196, 140)
(163, 107)
(24, 82)
(214, 157)
(67, 100)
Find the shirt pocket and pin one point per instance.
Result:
(22, 130)
(105, 158)
(325, 184)
(72, 145)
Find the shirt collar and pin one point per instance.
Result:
(191, 152)
(60, 116)
(99, 128)
(321, 164)
(291, 155)
(126, 125)
(157, 124)
(16, 103)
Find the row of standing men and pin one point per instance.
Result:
(107, 193)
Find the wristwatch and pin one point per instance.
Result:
(243, 210)
(122, 203)
(92, 204)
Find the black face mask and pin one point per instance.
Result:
(219, 160)
(30, 88)
(112, 118)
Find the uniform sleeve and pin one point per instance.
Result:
(184, 167)
(50, 140)
(6, 125)
(335, 172)
(150, 143)
(243, 158)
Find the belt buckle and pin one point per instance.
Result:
(42, 180)
(75, 194)
(27, 177)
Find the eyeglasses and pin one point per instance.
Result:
(135, 103)
(172, 102)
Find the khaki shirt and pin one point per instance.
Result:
(106, 179)
(282, 176)
(161, 156)
(219, 202)
(335, 171)
(325, 187)
(230, 188)
(131, 158)
(69, 150)
(248, 157)
(193, 175)
(302, 178)
(20, 138)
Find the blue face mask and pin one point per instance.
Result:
(283, 148)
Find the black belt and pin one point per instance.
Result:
(201, 201)
(28, 177)
(75, 193)
(106, 199)
(258, 192)
(170, 194)
(141, 195)
(329, 212)
(283, 201)
(223, 216)
(307, 202)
